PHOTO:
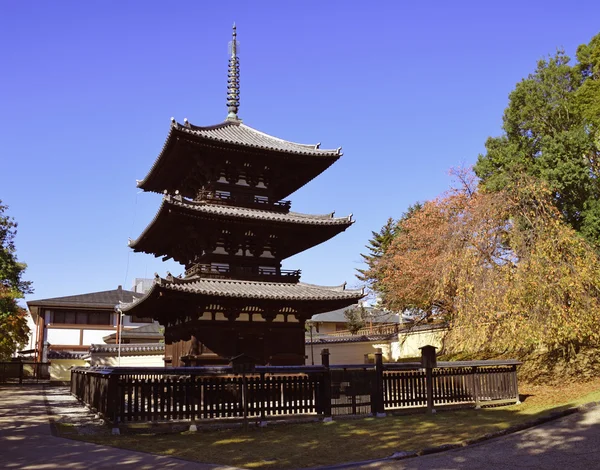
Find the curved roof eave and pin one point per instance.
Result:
(246, 136)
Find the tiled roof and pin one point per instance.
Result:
(127, 348)
(375, 315)
(147, 331)
(351, 339)
(248, 213)
(103, 299)
(252, 289)
(173, 163)
(203, 208)
(237, 133)
(65, 355)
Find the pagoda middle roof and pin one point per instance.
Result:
(231, 212)
(168, 168)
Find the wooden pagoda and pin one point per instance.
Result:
(224, 217)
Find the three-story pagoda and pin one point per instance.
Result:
(225, 218)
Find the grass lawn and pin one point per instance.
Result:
(346, 440)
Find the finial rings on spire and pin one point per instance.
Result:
(233, 79)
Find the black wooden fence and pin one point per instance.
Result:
(20, 372)
(128, 394)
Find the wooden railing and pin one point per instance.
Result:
(252, 201)
(389, 328)
(246, 273)
(467, 382)
(128, 394)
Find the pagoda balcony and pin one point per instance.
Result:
(245, 273)
(247, 200)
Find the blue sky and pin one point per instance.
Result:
(408, 89)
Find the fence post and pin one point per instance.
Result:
(429, 361)
(20, 372)
(516, 385)
(377, 400)
(476, 387)
(326, 389)
(191, 402)
(112, 408)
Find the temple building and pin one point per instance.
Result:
(225, 218)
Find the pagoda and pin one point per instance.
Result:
(225, 218)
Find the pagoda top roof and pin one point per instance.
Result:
(248, 290)
(238, 133)
(232, 133)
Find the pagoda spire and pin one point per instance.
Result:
(233, 79)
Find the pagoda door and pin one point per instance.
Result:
(251, 344)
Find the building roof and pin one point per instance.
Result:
(250, 289)
(128, 348)
(173, 163)
(163, 232)
(150, 331)
(65, 354)
(238, 133)
(374, 314)
(107, 299)
(373, 338)
(204, 208)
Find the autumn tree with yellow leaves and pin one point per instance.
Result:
(502, 268)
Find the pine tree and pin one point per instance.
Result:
(377, 246)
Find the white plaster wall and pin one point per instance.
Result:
(32, 332)
(408, 344)
(154, 360)
(326, 328)
(60, 369)
(344, 353)
(95, 336)
(62, 336)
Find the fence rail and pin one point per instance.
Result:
(128, 394)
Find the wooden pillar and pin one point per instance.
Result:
(113, 401)
(428, 361)
(377, 400)
(326, 388)
(476, 387)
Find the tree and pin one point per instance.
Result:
(501, 268)
(14, 331)
(355, 318)
(551, 132)
(377, 246)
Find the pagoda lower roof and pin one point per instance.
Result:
(210, 291)
(160, 229)
(172, 166)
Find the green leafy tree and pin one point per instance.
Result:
(551, 132)
(356, 317)
(13, 318)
